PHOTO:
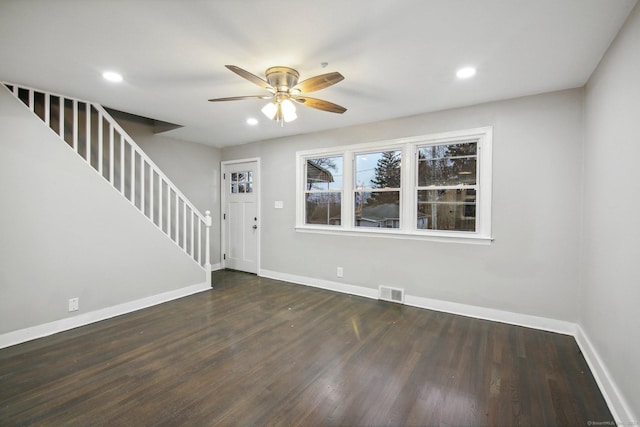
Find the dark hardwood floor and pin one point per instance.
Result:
(255, 351)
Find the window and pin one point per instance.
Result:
(323, 192)
(432, 186)
(446, 190)
(377, 189)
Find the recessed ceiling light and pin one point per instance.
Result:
(466, 72)
(112, 76)
(251, 121)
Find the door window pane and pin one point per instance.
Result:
(241, 182)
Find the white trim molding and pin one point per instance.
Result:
(321, 283)
(23, 335)
(492, 314)
(484, 313)
(622, 413)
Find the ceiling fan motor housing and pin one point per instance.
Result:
(282, 78)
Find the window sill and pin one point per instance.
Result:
(454, 237)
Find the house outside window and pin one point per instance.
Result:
(434, 187)
(377, 189)
(323, 190)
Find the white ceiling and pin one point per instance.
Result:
(398, 57)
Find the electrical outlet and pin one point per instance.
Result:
(340, 272)
(74, 304)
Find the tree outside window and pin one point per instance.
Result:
(323, 195)
(377, 190)
(446, 193)
(421, 187)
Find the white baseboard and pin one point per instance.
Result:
(622, 413)
(216, 267)
(484, 313)
(320, 283)
(39, 331)
(617, 405)
(535, 322)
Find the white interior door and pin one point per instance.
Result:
(240, 216)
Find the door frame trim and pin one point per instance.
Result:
(223, 231)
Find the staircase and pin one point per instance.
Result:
(100, 141)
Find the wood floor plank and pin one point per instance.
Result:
(254, 351)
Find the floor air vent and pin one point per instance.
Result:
(391, 294)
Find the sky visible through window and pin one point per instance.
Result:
(366, 169)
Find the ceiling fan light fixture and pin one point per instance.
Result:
(290, 117)
(288, 110)
(283, 110)
(270, 110)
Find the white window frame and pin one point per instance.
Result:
(334, 191)
(408, 194)
(353, 184)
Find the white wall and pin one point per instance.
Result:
(610, 273)
(530, 268)
(193, 168)
(65, 232)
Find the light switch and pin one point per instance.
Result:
(278, 204)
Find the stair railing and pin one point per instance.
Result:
(98, 139)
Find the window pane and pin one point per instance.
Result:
(324, 173)
(379, 209)
(448, 150)
(447, 210)
(447, 172)
(378, 170)
(447, 164)
(323, 208)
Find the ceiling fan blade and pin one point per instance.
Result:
(318, 82)
(251, 77)
(319, 104)
(239, 98)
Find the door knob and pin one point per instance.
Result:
(254, 227)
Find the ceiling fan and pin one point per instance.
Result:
(282, 83)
